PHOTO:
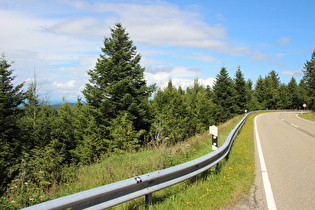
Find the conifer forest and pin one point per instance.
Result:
(121, 113)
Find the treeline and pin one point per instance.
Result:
(121, 113)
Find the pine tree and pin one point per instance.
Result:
(283, 102)
(10, 98)
(272, 90)
(240, 88)
(293, 95)
(309, 78)
(125, 137)
(252, 103)
(260, 92)
(171, 115)
(89, 135)
(200, 108)
(302, 92)
(28, 123)
(224, 96)
(117, 83)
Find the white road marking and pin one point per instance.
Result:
(294, 125)
(268, 191)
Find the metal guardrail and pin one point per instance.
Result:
(144, 185)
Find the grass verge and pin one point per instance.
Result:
(212, 189)
(308, 116)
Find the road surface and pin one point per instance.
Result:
(285, 171)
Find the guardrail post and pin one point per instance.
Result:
(148, 201)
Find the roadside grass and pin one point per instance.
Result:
(122, 166)
(308, 116)
(210, 190)
(214, 189)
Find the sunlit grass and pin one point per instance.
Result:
(212, 189)
(308, 116)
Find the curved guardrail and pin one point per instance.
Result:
(144, 185)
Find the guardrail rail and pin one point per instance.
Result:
(144, 185)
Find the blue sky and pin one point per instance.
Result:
(178, 39)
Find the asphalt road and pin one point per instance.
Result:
(288, 150)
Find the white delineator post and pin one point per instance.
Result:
(213, 130)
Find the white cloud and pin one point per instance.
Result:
(180, 76)
(174, 71)
(67, 85)
(261, 57)
(284, 40)
(82, 27)
(295, 72)
(159, 23)
(183, 83)
(205, 58)
(180, 71)
(308, 49)
(209, 81)
(61, 48)
(160, 79)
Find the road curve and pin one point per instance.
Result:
(288, 148)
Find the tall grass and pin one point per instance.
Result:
(212, 189)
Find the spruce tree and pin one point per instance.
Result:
(10, 98)
(117, 83)
(200, 108)
(224, 96)
(28, 123)
(309, 78)
(293, 95)
(272, 90)
(283, 102)
(260, 93)
(252, 103)
(171, 115)
(302, 92)
(240, 88)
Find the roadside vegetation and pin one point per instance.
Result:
(308, 116)
(214, 189)
(123, 166)
(44, 148)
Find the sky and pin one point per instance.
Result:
(58, 41)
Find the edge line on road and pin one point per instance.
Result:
(267, 186)
(310, 121)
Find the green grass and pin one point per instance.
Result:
(212, 189)
(308, 116)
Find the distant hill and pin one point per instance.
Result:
(59, 104)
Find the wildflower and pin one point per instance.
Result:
(22, 176)
(186, 144)
(7, 190)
